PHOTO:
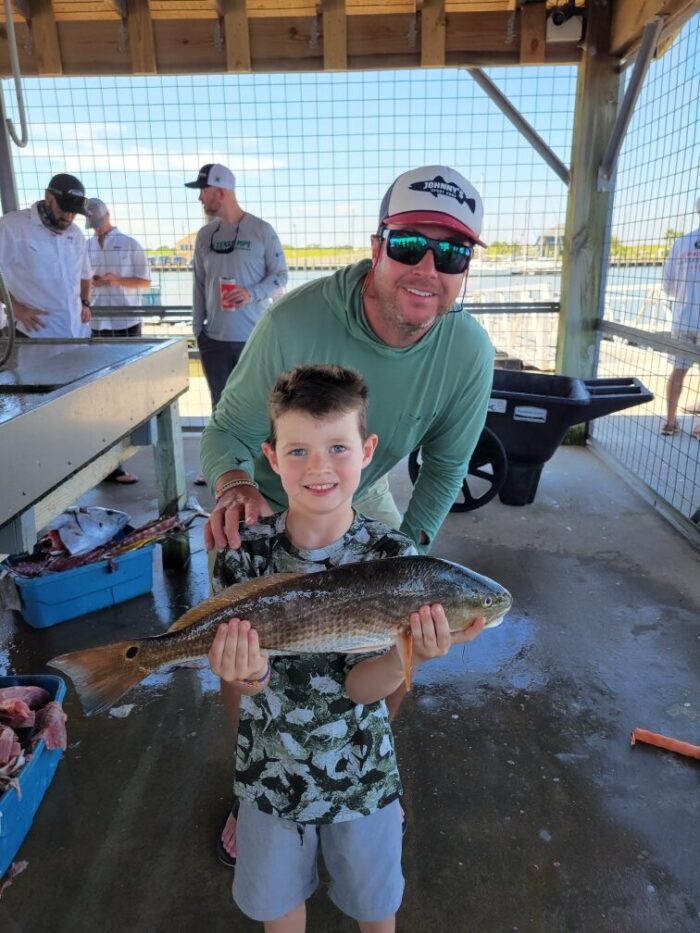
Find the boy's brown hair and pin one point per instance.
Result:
(318, 391)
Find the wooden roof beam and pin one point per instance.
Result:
(629, 17)
(46, 47)
(139, 26)
(335, 35)
(234, 14)
(22, 8)
(120, 8)
(533, 33)
(432, 33)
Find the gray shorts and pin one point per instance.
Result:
(679, 362)
(277, 863)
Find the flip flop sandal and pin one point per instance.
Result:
(228, 860)
(200, 481)
(668, 430)
(223, 856)
(126, 479)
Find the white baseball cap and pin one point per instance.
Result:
(214, 175)
(434, 194)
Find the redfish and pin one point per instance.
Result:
(354, 608)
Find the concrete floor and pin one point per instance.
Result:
(527, 808)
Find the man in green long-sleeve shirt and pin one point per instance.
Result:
(428, 365)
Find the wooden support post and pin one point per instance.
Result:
(335, 35)
(170, 475)
(432, 34)
(141, 42)
(597, 94)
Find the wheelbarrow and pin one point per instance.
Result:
(528, 417)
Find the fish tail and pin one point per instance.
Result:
(102, 675)
(404, 645)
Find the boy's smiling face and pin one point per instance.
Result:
(319, 460)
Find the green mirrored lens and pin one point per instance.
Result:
(409, 248)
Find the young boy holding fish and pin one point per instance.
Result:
(315, 760)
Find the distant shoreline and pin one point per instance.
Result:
(493, 266)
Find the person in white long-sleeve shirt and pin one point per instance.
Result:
(239, 268)
(681, 282)
(44, 261)
(235, 245)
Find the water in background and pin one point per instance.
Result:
(633, 294)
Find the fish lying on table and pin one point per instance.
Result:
(354, 608)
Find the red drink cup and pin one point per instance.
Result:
(227, 287)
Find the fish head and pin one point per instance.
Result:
(82, 528)
(468, 595)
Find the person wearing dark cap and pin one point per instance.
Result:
(238, 266)
(121, 273)
(394, 319)
(43, 257)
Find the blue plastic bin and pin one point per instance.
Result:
(17, 813)
(57, 597)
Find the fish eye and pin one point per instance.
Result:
(487, 601)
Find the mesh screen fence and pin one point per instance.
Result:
(653, 281)
(313, 154)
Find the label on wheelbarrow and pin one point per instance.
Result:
(529, 413)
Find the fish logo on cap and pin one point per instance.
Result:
(438, 187)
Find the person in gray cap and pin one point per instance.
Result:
(396, 320)
(43, 257)
(238, 267)
(121, 273)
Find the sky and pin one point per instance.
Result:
(314, 153)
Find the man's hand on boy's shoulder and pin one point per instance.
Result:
(240, 504)
(431, 633)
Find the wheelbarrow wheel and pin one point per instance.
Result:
(485, 475)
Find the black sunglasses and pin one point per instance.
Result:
(223, 250)
(409, 247)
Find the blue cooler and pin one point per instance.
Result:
(57, 597)
(17, 810)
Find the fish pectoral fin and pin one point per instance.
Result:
(230, 596)
(404, 645)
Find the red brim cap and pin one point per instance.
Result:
(433, 217)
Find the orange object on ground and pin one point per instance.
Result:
(663, 741)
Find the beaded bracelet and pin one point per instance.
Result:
(261, 681)
(232, 483)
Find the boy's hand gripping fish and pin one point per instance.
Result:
(351, 609)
